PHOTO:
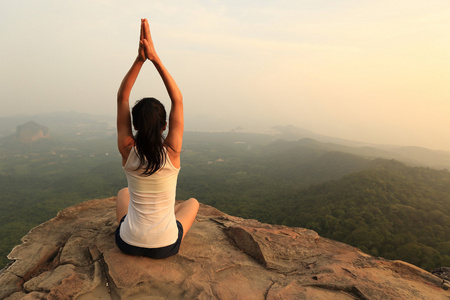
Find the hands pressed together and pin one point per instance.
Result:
(176, 120)
(146, 47)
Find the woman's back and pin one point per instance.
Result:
(150, 221)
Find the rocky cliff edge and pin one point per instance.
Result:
(73, 256)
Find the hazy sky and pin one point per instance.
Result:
(374, 71)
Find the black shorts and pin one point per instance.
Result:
(161, 252)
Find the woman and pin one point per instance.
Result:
(149, 223)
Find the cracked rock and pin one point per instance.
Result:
(74, 256)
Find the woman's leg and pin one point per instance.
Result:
(123, 198)
(185, 213)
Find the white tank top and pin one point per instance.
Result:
(150, 221)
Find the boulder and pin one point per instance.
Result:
(74, 256)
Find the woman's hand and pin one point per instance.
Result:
(141, 51)
(146, 41)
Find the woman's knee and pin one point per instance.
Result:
(122, 192)
(188, 209)
(123, 199)
(186, 213)
(192, 205)
(193, 202)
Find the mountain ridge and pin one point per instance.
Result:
(74, 123)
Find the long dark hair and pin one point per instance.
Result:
(149, 119)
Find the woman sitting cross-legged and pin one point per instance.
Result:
(149, 222)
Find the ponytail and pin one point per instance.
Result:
(149, 119)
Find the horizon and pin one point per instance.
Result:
(317, 136)
(370, 72)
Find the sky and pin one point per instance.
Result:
(371, 71)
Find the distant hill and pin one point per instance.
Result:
(31, 132)
(293, 133)
(422, 156)
(414, 155)
(65, 130)
(60, 123)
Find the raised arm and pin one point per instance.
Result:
(174, 137)
(125, 138)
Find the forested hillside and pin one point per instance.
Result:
(387, 210)
(382, 206)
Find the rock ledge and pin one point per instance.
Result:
(223, 257)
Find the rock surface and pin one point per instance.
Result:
(222, 257)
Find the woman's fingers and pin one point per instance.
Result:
(142, 30)
(146, 47)
(147, 34)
